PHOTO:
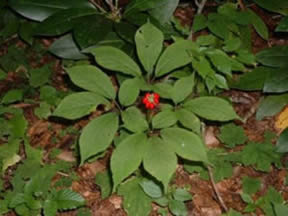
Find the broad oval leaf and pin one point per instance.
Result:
(174, 56)
(93, 79)
(62, 21)
(186, 144)
(163, 89)
(163, 10)
(188, 120)
(97, 135)
(77, 105)
(149, 48)
(212, 108)
(127, 157)
(116, 60)
(277, 80)
(40, 10)
(283, 25)
(68, 199)
(66, 48)
(259, 25)
(151, 188)
(162, 168)
(274, 57)
(128, 92)
(182, 88)
(98, 30)
(282, 142)
(134, 120)
(164, 119)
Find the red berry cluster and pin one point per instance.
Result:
(151, 100)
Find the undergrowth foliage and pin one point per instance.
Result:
(155, 135)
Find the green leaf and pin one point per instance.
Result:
(232, 212)
(182, 195)
(134, 120)
(66, 48)
(104, 180)
(92, 79)
(116, 60)
(282, 142)
(38, 11)
(245, 57)
(139, 5)
(174, 56)
(62, 21)
(206, 40)
(97, 135)
(68, 199)
(276, 5)
(203, 67)
(98, 30)
(271, 198)
(263, 155)
(43, 111)
(39, 76)
(274, 57)
(12, 96)
(164, 119)
(126, 31)
(3, 75)
(17, 126)
(182, 88)
(276, 82)
(149, 48)
(221, 61)
(178, 208)
(77, 105)
(163, 10)
(26, 31)
(283, 25)
(127, 157)
(136, 202)
(247, 198)
(251, 185)
(50, 208)
(152, 189)
(280, 209)
(188, 120)
(211, 108)
(186, 144)
(259, 25)
(232, 135)
(218, 25)
(254, 80)
(128, 92)
(162, 168)
(10, 161)
(232, 44)
(199, 23)
(271, 105)
(163, 89)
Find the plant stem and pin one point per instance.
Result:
(200, 6)
(216, 190)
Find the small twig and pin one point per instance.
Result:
(110, 4)
(241, 4)
(98, 6)
(201, 6)
(24, 105)
(216, 190)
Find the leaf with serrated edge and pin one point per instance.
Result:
(68, 199)
(116, 60)
(77, 105)
(136, 202)
(98, 135)
(186, 144)
(93, 79)
(162, 168)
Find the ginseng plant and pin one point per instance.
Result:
(152, 115)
